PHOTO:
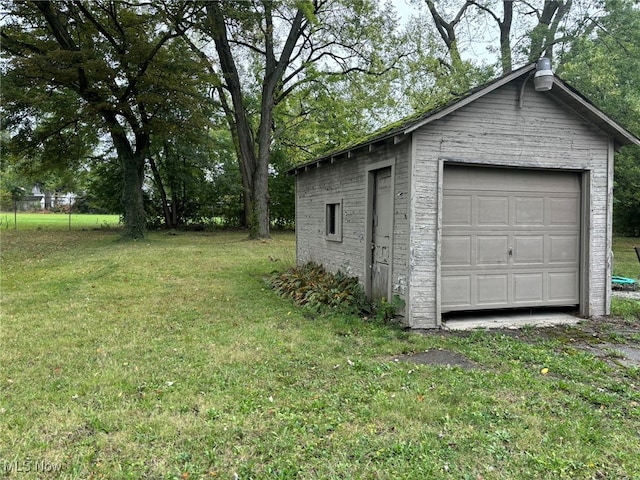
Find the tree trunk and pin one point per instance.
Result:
(506, 60)
(505, 37)
(247, 191)
(261, 175)
(254, 166)
(47, 199)
(166, 211)
(247, 154)
(447, 31)
(247, 201)
(132, 198)
(132, 163)
(175, 207)
(543, 36)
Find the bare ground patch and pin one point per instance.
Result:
(613, 339)
(437, 357)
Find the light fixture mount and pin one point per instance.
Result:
(543, 78)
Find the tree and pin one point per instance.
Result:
(447, 30)
(531, 29)
(266, 50)
(181, 145)
(47, 150)
(605, 66)
(179, 166)
(103, 188)
(224, 175)
(12, 187)
(107, 61)
(504, 26)
(543, 36)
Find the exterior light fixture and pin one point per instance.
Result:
(543, 79)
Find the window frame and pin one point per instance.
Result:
(333, 211)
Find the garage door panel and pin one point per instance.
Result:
(456, 250)
(563, 249)
(492, 250)
(456, 210)
(529, 211)
(510, 238)
(563, 286)
(493, 211)
(564, 211)
(528, 287)
(528, 250)
(492, 289)
(456, 291)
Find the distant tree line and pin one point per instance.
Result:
(174, 114)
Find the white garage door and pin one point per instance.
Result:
(510, 238)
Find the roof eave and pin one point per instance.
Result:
(595, 116)
(397, 136)
(405, 130)
(473, 97)
(586, 109)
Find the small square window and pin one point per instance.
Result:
(333, 221)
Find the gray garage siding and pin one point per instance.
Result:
(315, 189)
(494, 131)
(345, 180)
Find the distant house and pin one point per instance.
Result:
(31, 202)
(501, 199)
(44, 200)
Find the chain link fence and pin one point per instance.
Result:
(58, 211)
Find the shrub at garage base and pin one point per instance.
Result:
(311, 286)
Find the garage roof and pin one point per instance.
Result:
(561, 92)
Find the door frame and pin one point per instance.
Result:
(585, 243)
(368, 232)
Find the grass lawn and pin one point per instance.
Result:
(57, 221)
(170, 358)
(625, 260)
(625, 264)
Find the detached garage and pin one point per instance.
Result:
(498, 201)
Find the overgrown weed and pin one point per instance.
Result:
(313, 288)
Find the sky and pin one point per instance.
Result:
(405, 8)
(476, 51)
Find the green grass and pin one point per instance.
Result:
(625, 264)
(627, 308)
(625, 260)
(170, 358)
(57, 221)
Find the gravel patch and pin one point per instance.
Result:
(633, 295)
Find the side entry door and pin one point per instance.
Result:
(382, 211)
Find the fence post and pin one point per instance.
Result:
(15, 215)
(70, 205)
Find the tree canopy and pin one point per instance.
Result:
(283, 47)
(605, 66)
(187, 110)
(78, 71)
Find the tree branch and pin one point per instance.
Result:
(9, 42)
(101, 28)
(57, 28)
(133, 82)
(249, 46)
